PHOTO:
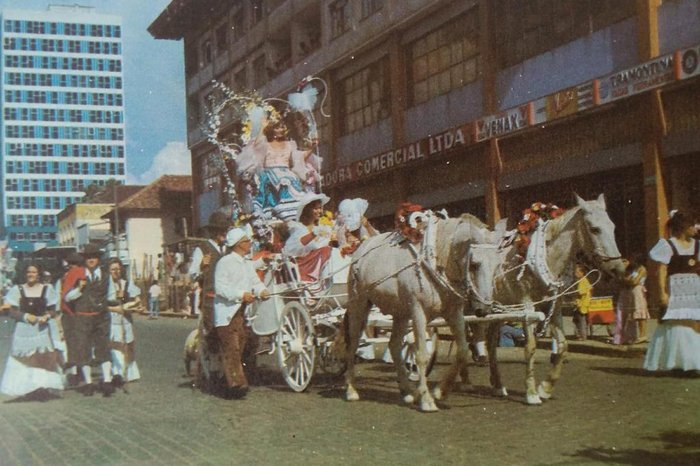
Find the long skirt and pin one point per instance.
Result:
(122, 347)
(279, 190)
(34, 361)
(675, 345)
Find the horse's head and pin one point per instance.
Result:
(484, 261)
(598, 236)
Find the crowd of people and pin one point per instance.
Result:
(65, 329)
(85, 321)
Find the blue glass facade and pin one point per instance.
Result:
(62, 115)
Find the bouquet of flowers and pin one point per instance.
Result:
(536, 214)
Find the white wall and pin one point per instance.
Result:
(144, 238)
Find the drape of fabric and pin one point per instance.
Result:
(311, 264)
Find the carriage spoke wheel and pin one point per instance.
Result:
(295, 346)
(409, 349)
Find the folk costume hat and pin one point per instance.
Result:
(235, 235)
(352, 211)
(307, 199)
(91, 250)
(218, 221)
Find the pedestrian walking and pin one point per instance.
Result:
(75, 271)
(154, 301)
(584, 292)
(237, 286)
(34, 365)
(91, 324)
(632, 311)
(121, 292)
(204, 259)
(676, 342)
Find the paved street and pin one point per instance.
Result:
(606, 411)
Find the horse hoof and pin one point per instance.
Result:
(533, 399)
(428, 406)
(437, 393)
(544, 391)
(500, 392)
(408, 399)
(352, 395)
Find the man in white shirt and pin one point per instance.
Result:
(237, 286)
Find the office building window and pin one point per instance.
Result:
(370, 7)
(340, 12)
(444, 59)
(221, 38)
(365, 97)
(259, 72)
(526, 28)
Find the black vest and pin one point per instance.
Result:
(36, 305)
(94, 295)
(681, 263)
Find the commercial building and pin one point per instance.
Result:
(479, 106)
(62, 99)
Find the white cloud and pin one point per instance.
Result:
(173, 159)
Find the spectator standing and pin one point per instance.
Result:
(676, 342)
(154, 301)
(632, 311)
(584, 292)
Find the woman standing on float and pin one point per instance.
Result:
(283, 171)
(34, 364)
(676, 342)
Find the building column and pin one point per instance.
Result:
(492, 151)
(655, 200)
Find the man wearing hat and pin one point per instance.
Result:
(74, 272)
(204, 259)
(91, 323)
(237, 286)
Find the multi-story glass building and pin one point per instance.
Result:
(62, 126)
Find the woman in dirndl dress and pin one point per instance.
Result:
(676, 342)
(121, 334)
(34, 365)
(284, 172)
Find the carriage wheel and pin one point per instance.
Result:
(295, 346)
(329, 360)
(409, 348)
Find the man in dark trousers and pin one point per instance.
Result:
(91, 323)
(75, 272)
(204, 259)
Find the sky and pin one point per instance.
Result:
(154, 88)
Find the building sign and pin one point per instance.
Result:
(507, 122)
(686, 62)
(646, 76)
(430, 146)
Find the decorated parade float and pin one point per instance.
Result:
(431, 271)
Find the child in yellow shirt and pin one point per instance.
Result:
(583, 303)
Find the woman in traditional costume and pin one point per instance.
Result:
(34, 364)
(309, 242)
(353, 227)
(283, 171)
(121, 335)
(676, 342)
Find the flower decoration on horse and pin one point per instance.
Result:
(537, 214)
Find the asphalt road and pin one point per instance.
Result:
(605, 411)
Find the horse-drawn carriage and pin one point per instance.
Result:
(304, 319)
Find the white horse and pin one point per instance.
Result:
(392, 274)
(585, 230)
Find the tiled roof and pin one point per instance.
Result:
(150, 197)
(124, 191)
